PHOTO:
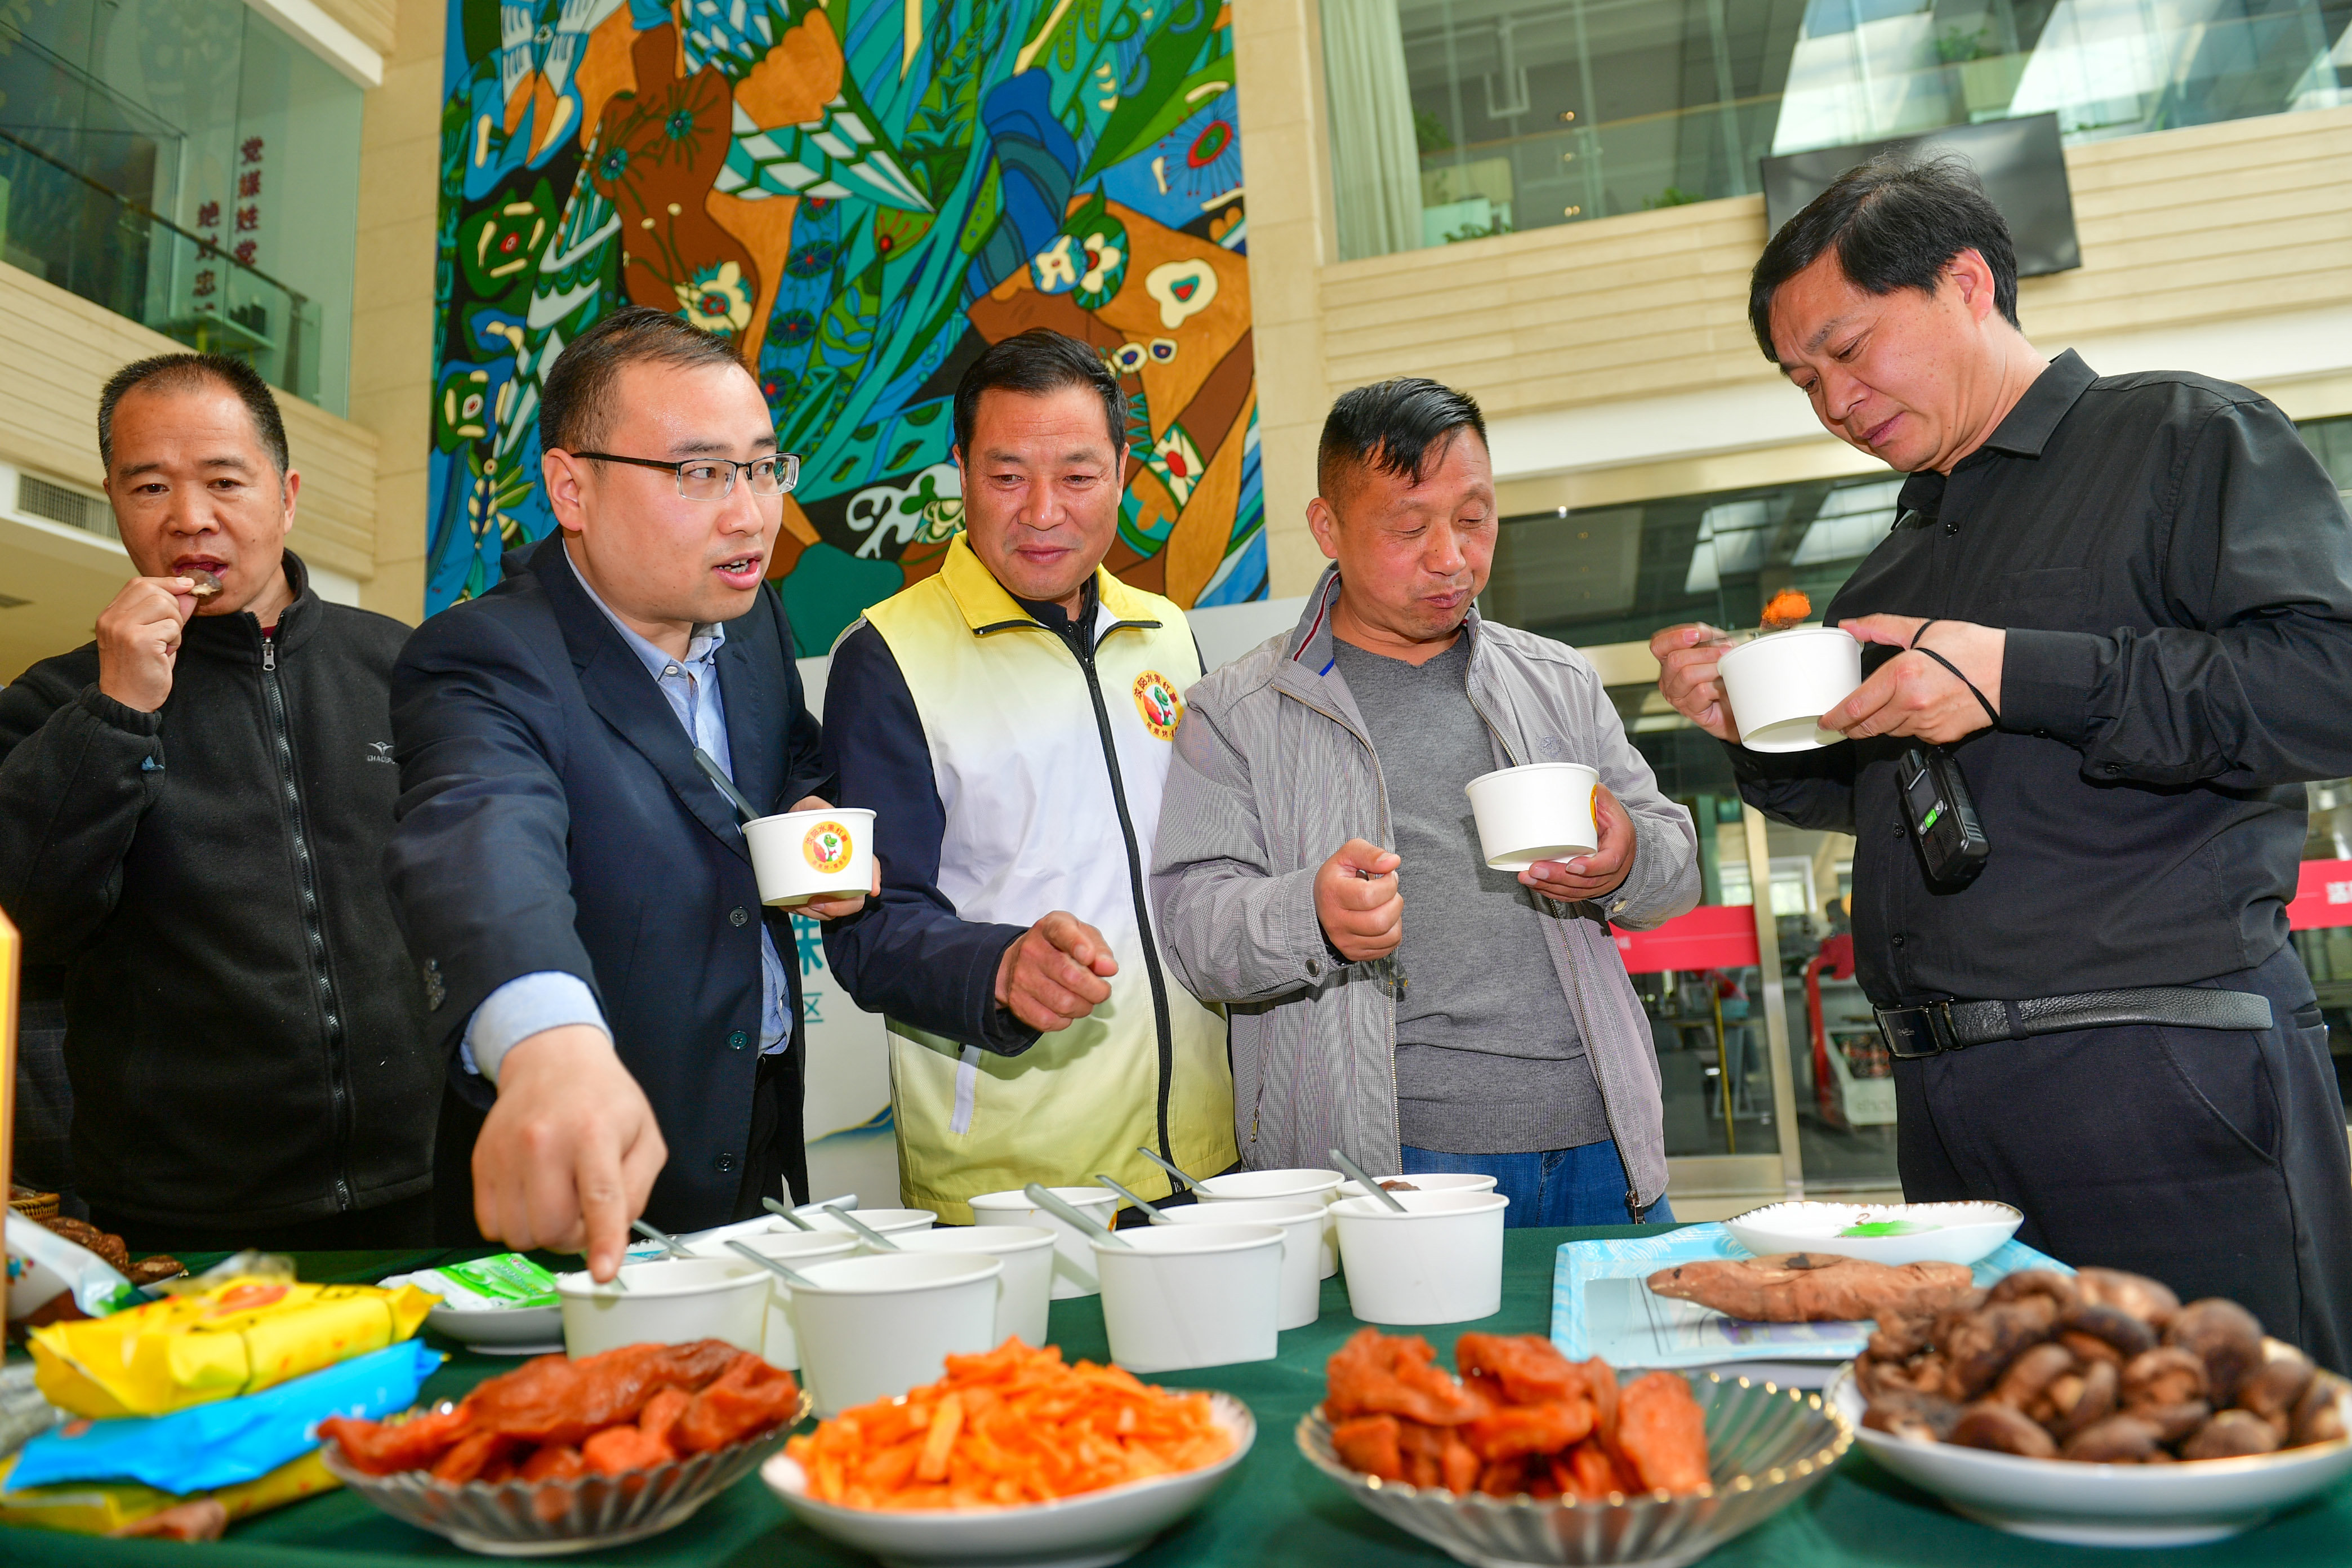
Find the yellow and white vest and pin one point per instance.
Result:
(1018, 755)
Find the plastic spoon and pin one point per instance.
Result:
(675, 1247)
(791, 1276)
(865, 1233)
(710, 765)
(1355, 1174)
(785, 1211)
(1148, 1212)
(1190, 1184)
(1084, 1224)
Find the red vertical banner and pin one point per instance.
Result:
(1713, 936)
(2323, 896)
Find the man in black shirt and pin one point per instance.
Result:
(2131, 602)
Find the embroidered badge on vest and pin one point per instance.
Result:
(1156, 699)
(827, 847)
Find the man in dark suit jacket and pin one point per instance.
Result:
(624, 1034)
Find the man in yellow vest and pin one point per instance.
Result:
(1009, 721)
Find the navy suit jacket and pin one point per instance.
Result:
(551, 817)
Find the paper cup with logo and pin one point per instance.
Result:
(1779, 683)
(804, 855)
(1539, 812)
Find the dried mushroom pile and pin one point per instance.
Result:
(2102, 1368)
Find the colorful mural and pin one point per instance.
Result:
(863, 194)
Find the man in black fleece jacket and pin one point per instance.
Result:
(193, 808)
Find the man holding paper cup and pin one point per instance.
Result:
(597, 951)
(1393, 841)
(2121, 609)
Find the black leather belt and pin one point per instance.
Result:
(1914, 1032)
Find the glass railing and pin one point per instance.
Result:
(1565, 110)
(71, 230)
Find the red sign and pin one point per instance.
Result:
(2323, 896)
(1712, 936)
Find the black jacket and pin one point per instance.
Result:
(245, 1034)
(554, 818)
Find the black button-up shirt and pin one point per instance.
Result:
(2174, 569)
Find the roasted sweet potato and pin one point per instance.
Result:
(1812, 1287)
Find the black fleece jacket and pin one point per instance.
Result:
(245, 1033)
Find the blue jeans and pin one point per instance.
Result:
(1585, 1185)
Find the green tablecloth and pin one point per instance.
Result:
(1276, 1510)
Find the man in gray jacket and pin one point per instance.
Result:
(1495, 1031)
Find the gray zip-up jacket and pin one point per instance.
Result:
(1274, 771)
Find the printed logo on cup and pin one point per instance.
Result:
(827, 847)
(1156, 699)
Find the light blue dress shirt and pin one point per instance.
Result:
(551, 998)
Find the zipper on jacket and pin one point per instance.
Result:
(313, 925)
(1633, 1194)
(1083, 644)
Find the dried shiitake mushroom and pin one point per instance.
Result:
(2003, 1430)
(2080, 1399)
(203, 584)
(2143, 1297)
(2272, 1388)
(2319, 1414)
(2036, 1282)
(1911, 1414)
(2091, 1348)
(2165, 1375)
(2225, 1336)
(2232, 1435)
(2117, 1440)
(2119, 1328)
(2172, 1422)
(1983, 1343)
(2029, 1377)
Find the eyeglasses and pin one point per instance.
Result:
(713, 478)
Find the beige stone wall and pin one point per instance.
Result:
(373, 22)
(2182, 231)
(392, 316)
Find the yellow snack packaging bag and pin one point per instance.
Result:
(241, 1337)
(112, 1507)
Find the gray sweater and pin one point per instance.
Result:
(1274, 771)
(1488, 1060)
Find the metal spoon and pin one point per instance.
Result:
(710, 765)
(1084, 1224)
(1190, 1184)
(865, 1233)
(785, 1211)
(791, 1276)
(675, 1247)
(1148, 1212)
(1355, 1173)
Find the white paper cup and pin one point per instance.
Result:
(1441, 1261)
(1027, 1287)
(1539, 812)
(1237, 1186)
(1426, 1181)
(1783, 681)
(802, 855)
(873, 1327)
(1074, 1259)
(674, 1301)
(795, 1249)
(1182, 1296)
(1302, 1222)
(889, 1222)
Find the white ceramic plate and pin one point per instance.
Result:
(513, 1331)
(2103, 1505)
(1082, 1532)
(1926, 1233)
